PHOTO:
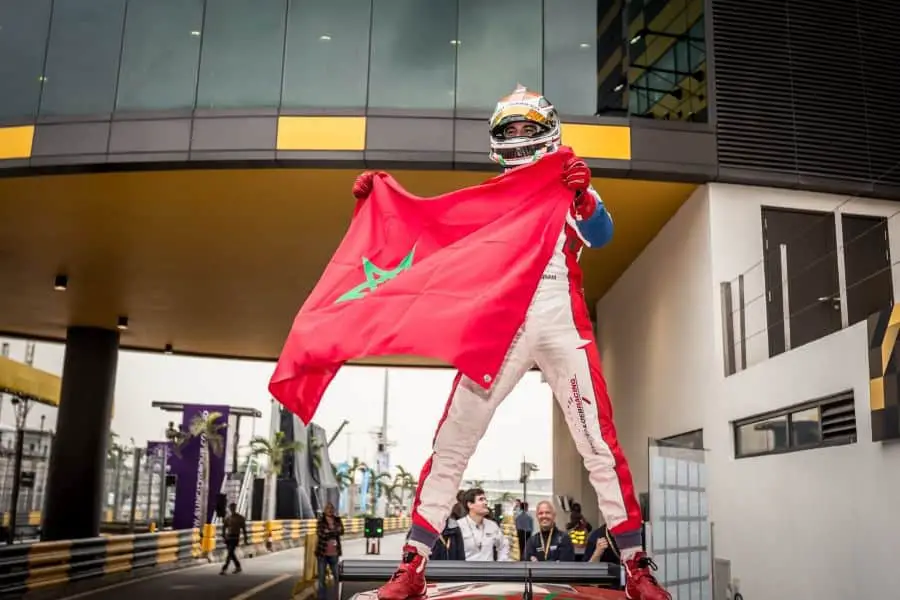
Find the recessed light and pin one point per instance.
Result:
(123, 323)
(325, 37)
(60, 283)
(455, 42)
(584, 45)
(195, 33)
(168, 349)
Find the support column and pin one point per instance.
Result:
(77, 469)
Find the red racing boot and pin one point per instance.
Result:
(640, 584)
(408, 581)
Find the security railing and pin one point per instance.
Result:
(40, 565)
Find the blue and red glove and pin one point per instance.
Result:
(577, 177)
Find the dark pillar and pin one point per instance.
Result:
(78, 462)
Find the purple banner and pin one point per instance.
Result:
(187, 467)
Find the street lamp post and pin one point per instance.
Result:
(527, 468)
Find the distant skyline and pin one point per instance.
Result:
(521, 426)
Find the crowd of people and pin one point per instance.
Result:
(472, 532)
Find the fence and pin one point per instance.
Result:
(40, 565)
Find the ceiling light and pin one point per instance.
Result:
(195, 33)
(60, 283)
(454, 42)
(168, 349)
(584, 45)
(325, 37)
(123, 323)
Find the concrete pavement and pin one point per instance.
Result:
(267, 577)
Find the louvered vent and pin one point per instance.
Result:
(838, 419)
(808, 87)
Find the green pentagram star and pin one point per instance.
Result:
(376, 276)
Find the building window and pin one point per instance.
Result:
(666, 50)
(803, 297)
(829, 421)
(692, 440)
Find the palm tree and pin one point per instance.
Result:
(355, 466)
(344, 481)
(274, 450)
(208, 431)
(377, 481)
(406, 481)
(116, 454)
(390, 491)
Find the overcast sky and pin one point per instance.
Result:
(522, 424)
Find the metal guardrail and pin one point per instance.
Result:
(39, 565)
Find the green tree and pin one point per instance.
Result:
(117, 455)
(355, 467)
(273, 450)
(377, 483)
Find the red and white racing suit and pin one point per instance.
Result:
(558, 337)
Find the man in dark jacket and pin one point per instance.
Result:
(450, 546)
(233, 525)
(549, 544)
(601, 547)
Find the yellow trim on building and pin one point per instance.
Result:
(321, 133)
(15, 142)
(598, 141)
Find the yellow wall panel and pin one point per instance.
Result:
(15, 142)
(322, 133)
(598, 141)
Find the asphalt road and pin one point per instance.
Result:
(266, 577)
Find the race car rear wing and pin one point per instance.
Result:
(379, 571)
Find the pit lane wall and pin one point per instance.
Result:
(662, 336)
(56, 566)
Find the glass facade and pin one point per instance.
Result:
(91, 58)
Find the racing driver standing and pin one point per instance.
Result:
(557, 335)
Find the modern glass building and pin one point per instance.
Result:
(92, 60)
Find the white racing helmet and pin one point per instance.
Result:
(523, 106)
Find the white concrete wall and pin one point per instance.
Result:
(655, 335)
(811, 524)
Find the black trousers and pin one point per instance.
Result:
(231, 545)
(523, 536)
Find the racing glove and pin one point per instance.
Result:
(362, 187)
(576, 175)
(585, 205)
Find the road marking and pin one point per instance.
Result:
(131, 581)
(261, 587)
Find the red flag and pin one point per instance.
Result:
(449, 277)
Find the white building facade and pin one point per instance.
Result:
(801, 497)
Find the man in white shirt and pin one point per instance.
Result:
(481, 536)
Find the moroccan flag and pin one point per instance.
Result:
(449, 277)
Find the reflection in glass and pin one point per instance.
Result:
(23, 38)
(667, 56)
(327, 54)
(763, 436)
(83, 57)
(570, 55)
(611, 59)
(500, 45)
(805, 428)
(160, 55)
(243, 50)
(413, 58)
